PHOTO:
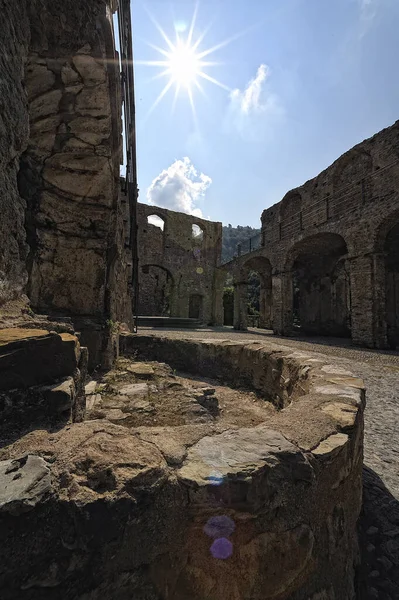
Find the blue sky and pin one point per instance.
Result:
(304, 82)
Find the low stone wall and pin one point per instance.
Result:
(292, 486)
(276, 376)
(101, 511)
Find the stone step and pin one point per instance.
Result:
(31, 357)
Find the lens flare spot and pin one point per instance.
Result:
(215, 478)
(220, 526)
(180, 26)
(222, 548)
(200, 270)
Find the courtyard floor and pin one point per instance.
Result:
(379, 523)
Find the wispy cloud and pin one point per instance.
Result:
(179, 187)
(368, 12)
(254, 101)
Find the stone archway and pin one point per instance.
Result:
(317, 295)
(254, 292)
(228, 299)
(391, 252)
(156, 291)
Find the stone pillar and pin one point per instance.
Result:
(70, 171)
(362, 297)
(282, 303)
(380, 319)
(241, 306)
(265, 302)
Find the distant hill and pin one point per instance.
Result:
(233, 236)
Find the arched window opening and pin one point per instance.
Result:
(197, 233)
(156, 221)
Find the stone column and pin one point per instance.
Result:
(362, 296)
(72, 161)
(241, 306)
(282, 303)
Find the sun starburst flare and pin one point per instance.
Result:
(183, 63)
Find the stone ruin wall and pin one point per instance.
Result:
(14, 132)
(341, 217)
(185, 265)
(63, 232)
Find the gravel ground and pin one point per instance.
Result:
(379, 522)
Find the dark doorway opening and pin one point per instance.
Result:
(195, 306)
(392, 286)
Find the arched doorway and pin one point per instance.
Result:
(228, 300)
(320, 286)
(195, 307)
(391, 248)
(156, 288)
(257, 274)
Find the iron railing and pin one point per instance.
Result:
(245, 247)
(253, 243)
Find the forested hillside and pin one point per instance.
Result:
(233, 236)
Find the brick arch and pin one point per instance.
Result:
(317, 241)
(256, 263)
(317, 292)
(156, 292)
(351, 168)
(291, 205)
(386, 247)
(262, 266)
(382, 230)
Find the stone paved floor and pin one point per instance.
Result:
(379, 522)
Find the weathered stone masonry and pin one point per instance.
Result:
(178, 268)
(62, 154)
(329, 251)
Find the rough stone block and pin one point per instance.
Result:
(31, 357)
(45, 105)
(59, 396)
(23, 483)
(94, 101)
(39, 79)
(81, 175)
(91, 130)
(91, 71)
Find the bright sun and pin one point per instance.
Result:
(183, 64)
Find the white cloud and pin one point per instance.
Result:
(250, 100)
(180, 187)
(253, 102)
